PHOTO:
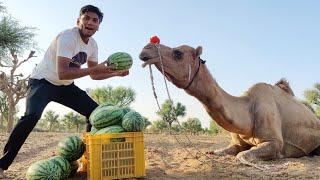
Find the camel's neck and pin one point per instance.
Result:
(232, 113)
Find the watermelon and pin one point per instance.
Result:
(93, 130)
(100, 106)
(110, 129)
(120, 60)
(133, 121)
(71, 148)
(125, 110)
(63, 164)
(44, 170)
(106, 116)
(74, 165)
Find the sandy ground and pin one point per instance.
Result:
(176, 157)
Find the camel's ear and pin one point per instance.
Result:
(198, 51)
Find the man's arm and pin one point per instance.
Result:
(99, 74)
(65, 72)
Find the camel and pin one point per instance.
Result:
(266, 123)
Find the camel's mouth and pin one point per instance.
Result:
(148, 60)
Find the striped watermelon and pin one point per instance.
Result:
(71, 148)
(100, 106)
(74, 165)
(120, 60)
(44, 170)
(112, 129)
(106, 116)
(93, 130)
(125, 110)
(63, 164)
(133, 122)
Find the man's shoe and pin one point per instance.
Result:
(2, 176)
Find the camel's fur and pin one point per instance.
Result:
(265, 123)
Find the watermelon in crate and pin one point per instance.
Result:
(126, 110)
(133, 121)
(112, 129)
(93, 130)
(104, 116)
(120, 60)
(71, 148)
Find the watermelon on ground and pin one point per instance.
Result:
(44, 170)
(74, 165)
(71, 148)
(63, 164)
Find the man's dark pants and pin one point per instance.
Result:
(40, 93)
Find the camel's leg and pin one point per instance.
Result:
(237, 145)
(264, 151)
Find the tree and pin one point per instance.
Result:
(51, 120)
(3, 109)
(312, 97)
(71, 120)
(175, 128)
(169, 113)
(192, 125)
(2, 8)
(146, 122)
(160, 125)
(120, 96)
(309, 106)
(214, 128)
(14, 40)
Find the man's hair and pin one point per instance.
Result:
(90, 8)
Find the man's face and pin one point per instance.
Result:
(88, 23)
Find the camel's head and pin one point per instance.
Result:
(180, 64)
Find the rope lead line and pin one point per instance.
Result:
(174, 113)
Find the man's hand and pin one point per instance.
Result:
(121, 73)
(102, 68)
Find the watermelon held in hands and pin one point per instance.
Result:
(104, 116)
(120, 60)
(71, 148)
(44, 170)
(133, 122)
(63, 164)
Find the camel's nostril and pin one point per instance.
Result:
(145, 58)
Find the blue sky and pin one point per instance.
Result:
(244, 42)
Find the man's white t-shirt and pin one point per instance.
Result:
(70, 45)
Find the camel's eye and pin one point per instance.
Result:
(177, 54)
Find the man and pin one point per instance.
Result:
(52, 79)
